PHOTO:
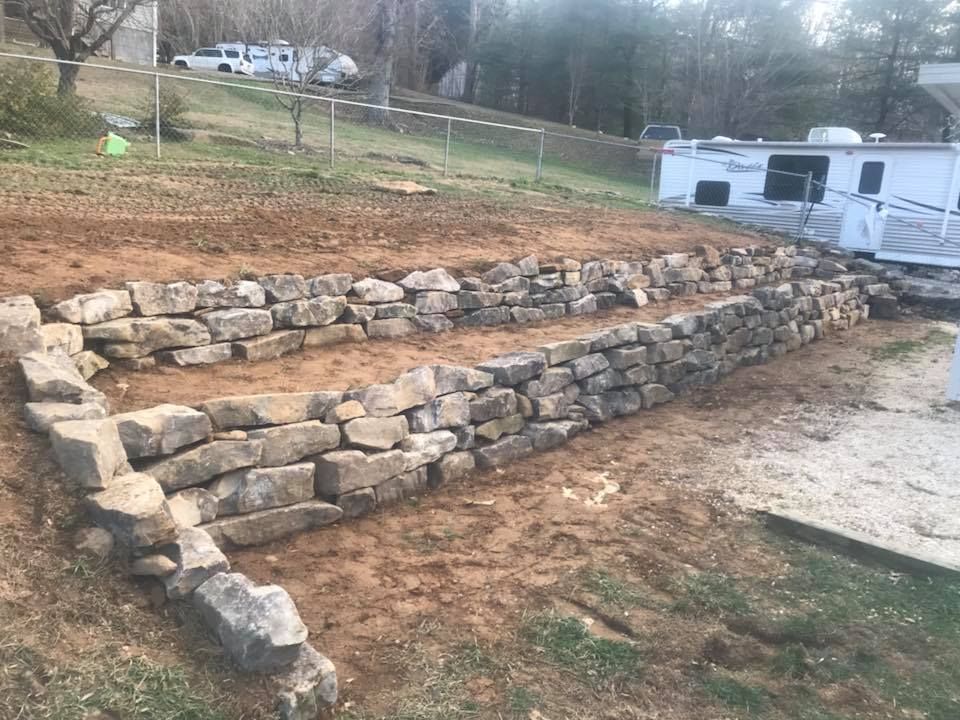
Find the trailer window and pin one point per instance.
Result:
(871, 178)
(712, 192)
(787, 174)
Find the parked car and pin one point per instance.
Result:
(661, 133)
(231, 61)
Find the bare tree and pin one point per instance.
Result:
(308, 28)
(385, 40)
(76, 29)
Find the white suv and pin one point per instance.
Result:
(231, 61)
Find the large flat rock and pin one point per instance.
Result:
(307, 686)
(53, 377)
(134, 509)
(255, 489)
(269, 409)
(161, 430)
(20, 326)
(204, 462)
(286, 444)
(263, 527)
(237, 323)
(259, 627)
(41, 417)
(95, 307)
(150, 298)
(197, 559)
(342, 471)
(89, 451)
(136, 337)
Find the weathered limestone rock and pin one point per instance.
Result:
(150, 298)
(513, 368)
(610, 404)
(433, 323)
(653, 394)
(269, 347)
(408, 485)
(596, 384)
(54, 378)
(203, 355)
(153, 565)
(349, 410)
(528, 266)
(321, 310)
(650, 333)
(477, 299)
(665, 352)
(634, 297)
(493, 429)
(446, 411)
(41, 417)
(269, 409)
(237, 323)
(195, 558)
(334, 335)
(522, 315)
(65, 337)
(200, 464)
(466, 437)
(243, 293)
(282, 288)
(561, 352)
(307, 686)
(503, 451)
(587, 365)
(390, 311)
(499, 273)
(487, 316)
(358, 314)
(546, 435)
(391, 328)
(513, 286)
(551, 381)
(625, 357)
(453, 378)
(612, 337)
(88, 363)
(493, 403)
(134, 509)
(268, 525)
(89, 451)
(20, 326)
(371, 290)
(452, 466)
(375, 433)
(341, 471)
(160, 430)
(332, 285)
(436, 302)
(253, 489)
(437, 279)
(357, 503)
(193, 506)
(422, 448)
(93, 542)
(259, 627)
(830, 266)
(413, 388)
(583, 306)
(136, 337)
(286, 444)
(95, 307)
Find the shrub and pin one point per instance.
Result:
(31, 108)
(173, 111)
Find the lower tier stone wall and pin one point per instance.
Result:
(178, 485)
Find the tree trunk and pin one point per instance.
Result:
(67, 84)
(414, 81)
(296, 113)
(470, 81)
(382, 78)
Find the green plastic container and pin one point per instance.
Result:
(113, 145)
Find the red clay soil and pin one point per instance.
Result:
(345, 366)
(104, 232)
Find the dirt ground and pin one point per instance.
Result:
(370, 362)
(95, 229)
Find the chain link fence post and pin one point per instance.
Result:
(156, 110)
(333, 132)
(446, 148)
(807, 184)
(543, 134)
(653, 176)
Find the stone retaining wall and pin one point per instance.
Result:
(183, 323)
(176, 486)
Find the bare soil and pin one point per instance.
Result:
(95, 229)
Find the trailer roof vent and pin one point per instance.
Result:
(833, 135)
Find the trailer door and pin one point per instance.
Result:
(865, 209)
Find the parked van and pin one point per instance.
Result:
(229, 60)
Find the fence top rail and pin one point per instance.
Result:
(625, 143)
(273, 91)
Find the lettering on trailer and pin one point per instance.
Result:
(735, 166)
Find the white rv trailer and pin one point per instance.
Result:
(281, 59)
(899, 201)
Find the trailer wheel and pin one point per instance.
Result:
(225, 68)
(181, 63)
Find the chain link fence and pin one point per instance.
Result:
(187, 115)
